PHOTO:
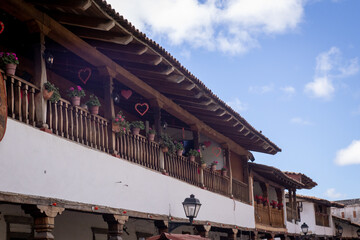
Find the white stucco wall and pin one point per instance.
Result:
(308, 216)
(37, 163)
(348, 212)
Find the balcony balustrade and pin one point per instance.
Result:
(269, 216)
(77, 124)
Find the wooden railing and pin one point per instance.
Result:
(77, 124)
(214, 182)
(240, 191)
(322, 219)
(21, 99)
(138, 149)
(181, 168)
(267, 215)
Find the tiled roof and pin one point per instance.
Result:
(321, 201)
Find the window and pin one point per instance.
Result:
(354, 214)
(342, 214)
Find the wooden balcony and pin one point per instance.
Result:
(78, 125)
(269, 216)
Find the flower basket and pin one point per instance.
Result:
(93, 104)
(10, 60)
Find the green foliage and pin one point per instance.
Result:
(51, 88)
(76, 92)
(179, 146)
(167, 141)
(193, 152)
(120, 120)
(202, 161)
(151, 131)
(138, 124)
(7, 58)
(93, 101)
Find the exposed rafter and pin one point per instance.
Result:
(126, 57)
(78, 4)
(105, 36)
(84, 22)
(131, 48)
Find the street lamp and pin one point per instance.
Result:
(191, 207)
(304, 228)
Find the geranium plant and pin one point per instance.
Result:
(167, 141)
(51, 88)
(273, 203)
(151, 131)
(93, 101)
(138, 124)
(214, 163)
(121, 123)
(179, 146)
(8, 58)
(224, 169)
(76, 92)
(193, 152)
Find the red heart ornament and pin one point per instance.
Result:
(2, 26)
(207, 143)
(126, 93)
(142, 108)
(216, 151)
(84, 74)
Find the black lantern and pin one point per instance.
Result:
(191, 207)
(339, 230)
(304, 228)
(358, 232)
(49, 59)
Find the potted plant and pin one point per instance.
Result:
(265, 201)
(136, 126)
(203, 163)
(119, 124)
(75, 94)
(213, 165)
(273, 203)
(280, 205)
(51, 92)
(179, 148)
(193, 154)
(93, 104)
(224, 171)
(259, 199)
(10, 60)
(166, 143)
(151, 134)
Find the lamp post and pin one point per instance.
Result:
(191, 208)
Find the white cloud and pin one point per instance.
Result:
(300, 121)
(261, 89)
(237, 105)
(332, 194)
(288, 90)
(329, 66)
(231, 26)
(349, 155)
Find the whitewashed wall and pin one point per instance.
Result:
(37, 163)
(308, 216)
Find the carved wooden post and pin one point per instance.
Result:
(115, 225)
(228, 164)
(232, 234)
(109, 109)
(162, 226)
(44, 220)
(203, 230)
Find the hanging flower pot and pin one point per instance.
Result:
(75, 101)
(10, 68)
(192, 158)
(94, 110)
(47, 95)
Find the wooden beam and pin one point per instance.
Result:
(147, 71)
(78, 4)
(23, 11)
(161, 82)
(105, 36)
(127, 57)
(136, 49)
(102, 24)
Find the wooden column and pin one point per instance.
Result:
(40, 78)
(203, 230)
(290, 205)
(232, 234)
(156, 107)
(109, 108)
(294, 204)
(228, 165)
(162, 226)
(115, 225)
(196, 137)
(44, 220)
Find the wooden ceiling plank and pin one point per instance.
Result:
(104, 36)
(135, 49)
(78, 4)
(85, 22)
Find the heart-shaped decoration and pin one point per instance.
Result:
(84, 74)
(207, 143)
(216, 151)
(2, 26)
(142, 108)
(126, 93)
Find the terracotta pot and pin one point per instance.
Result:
(224, 173)
(203, 165)
(151, 136)
(192, 158)
(115, 127)
(164, 149)
(180, 152)
(10, 68)
(94, 110)
(136, 131)
(75, 101)
(213, 167)
(47, 95)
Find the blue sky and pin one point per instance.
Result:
(289, 67)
